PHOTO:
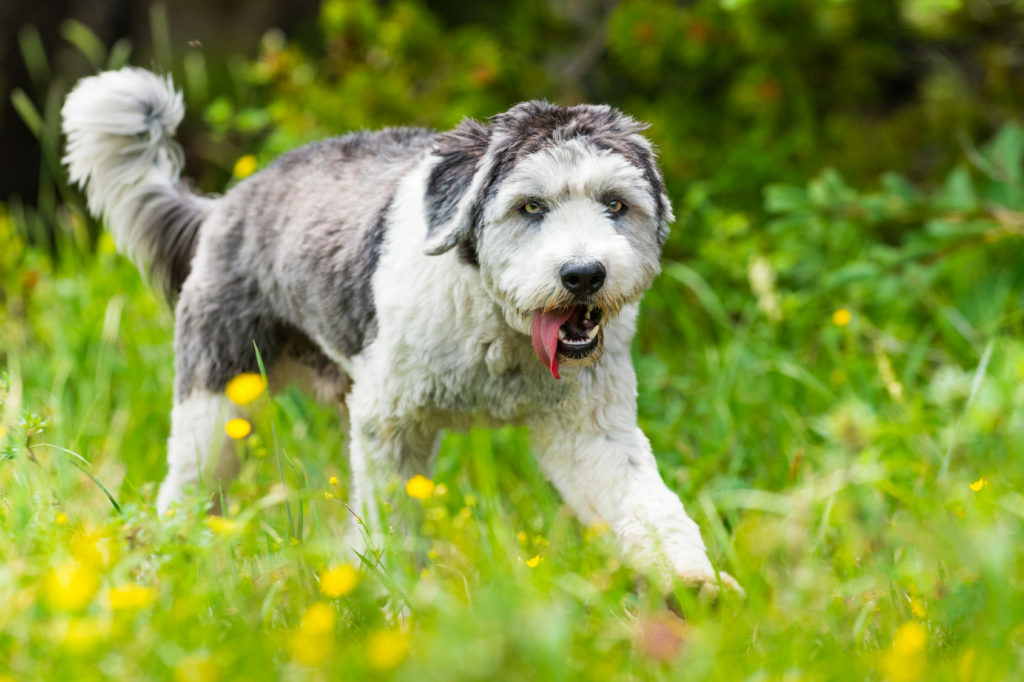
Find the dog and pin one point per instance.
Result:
(422, 281)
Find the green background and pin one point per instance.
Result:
(859, 472)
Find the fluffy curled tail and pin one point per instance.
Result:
(119, 127)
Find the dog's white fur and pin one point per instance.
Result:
(444, 338)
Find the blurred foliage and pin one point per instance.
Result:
(831, 369)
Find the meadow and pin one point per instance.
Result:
(831, 374)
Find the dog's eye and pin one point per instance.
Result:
(615, 206)
(534, 208)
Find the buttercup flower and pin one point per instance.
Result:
(245, 166)
(339, 581)
(238, 428)
(419, 487)
(318, 619)
(70, 586)
(386, 649)
(906, 660)
(841, 317)
(221, 525)
(81, 634)
(196, 668)
(130, 597)
(245, 388)
(312, 642)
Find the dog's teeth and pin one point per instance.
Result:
(561, 334)
(590, 309)
(593, 332)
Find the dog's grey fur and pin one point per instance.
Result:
(401, 270)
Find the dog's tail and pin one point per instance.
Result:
(120, 149)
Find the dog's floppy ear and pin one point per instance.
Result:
(456, 184)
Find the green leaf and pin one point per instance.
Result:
(120, 53)
(701, 289)
(34, 55)
(853, 272)
(957, 192)
(780, 198)
(79, 35)
(894, 183)
(28, 112)
(1006, 151)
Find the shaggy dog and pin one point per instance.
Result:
(422, 280)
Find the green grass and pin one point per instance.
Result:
(829, 466)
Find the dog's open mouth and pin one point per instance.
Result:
(571, 333)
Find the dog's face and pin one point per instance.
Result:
(564, 212)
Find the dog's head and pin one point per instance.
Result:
(563, 210)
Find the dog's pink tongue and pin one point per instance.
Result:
(545, 336)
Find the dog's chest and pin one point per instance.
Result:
(484, 374)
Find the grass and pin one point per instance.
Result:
(859, 473)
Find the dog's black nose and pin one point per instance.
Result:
(582, 278)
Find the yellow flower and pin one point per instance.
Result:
(82, 634)
(312, 642)
(339, 581)
(245, 388)
(70, 586)
(419, 487)
(245, 166)
(386, 649)
(440, 490)
(130, 597)
(841, 317)
(979, 484)
(94, 546)
(61, 519)
(318, 619)
(521, 537)
(196, 668)
(238, 428)
(906, 660)
(533, 562)
(169, 513)
(965, 666)
(910, 638)
(221, 525)
(3, 432)
(333, 480)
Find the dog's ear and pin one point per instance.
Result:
(456, 183)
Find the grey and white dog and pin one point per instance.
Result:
(421, 280)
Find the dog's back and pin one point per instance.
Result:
(121, 150)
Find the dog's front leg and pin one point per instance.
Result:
(383, 455)
(607, 473)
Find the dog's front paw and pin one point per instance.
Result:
(709, 584)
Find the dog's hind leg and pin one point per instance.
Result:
(218, 328)
(197, 433)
